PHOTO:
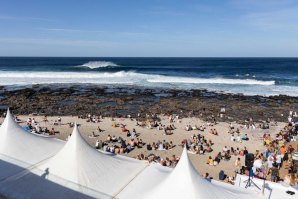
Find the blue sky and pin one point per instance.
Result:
(195, 28)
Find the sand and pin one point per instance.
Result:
(153, 135)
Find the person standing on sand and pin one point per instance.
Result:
(238, 166)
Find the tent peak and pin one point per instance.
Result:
(9, 121)
(8, 111)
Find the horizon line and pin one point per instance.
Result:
(12, 56)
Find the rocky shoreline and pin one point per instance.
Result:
(121, 101)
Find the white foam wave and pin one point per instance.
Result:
(98, 64)
(245, 86)
(7, 77)
(25, 78)
(211, 81)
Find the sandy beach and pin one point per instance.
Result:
(221, 140)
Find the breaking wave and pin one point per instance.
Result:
(121, 76)
(211, 81)
(98, 64)
(132, 78)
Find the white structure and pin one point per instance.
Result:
(79, 163)
(182, 182)
(23, 149)
(34, 166)
(272, 190)
(77, 170)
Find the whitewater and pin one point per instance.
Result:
(98, 64)
(121, 78)
(248, 76)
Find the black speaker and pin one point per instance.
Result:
(249, 160)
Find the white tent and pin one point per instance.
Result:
(146, 181)
(77, 167)
(23, 149)
(78, 162)
(183, 182)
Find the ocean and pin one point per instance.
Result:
(249, 76)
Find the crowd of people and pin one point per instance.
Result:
(267, 164)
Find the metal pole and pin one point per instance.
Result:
(263, 188)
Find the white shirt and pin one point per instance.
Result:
(278, 159)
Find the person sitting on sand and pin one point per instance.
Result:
(161, 147)
(245, 137)
(175, 159)
(98, 144)
(188, 128)
(172, 127)
(171, 145)
(106, 148)
(201, 128)
(45, 119)
(123, 144)
(195, 127)
(154, 146)
(149, 147)
(168, 162)
(238, 138)
(162, 162)
(128, 148)
(124, 130)
(201, 150)
(210, 161)
(231, 180)
(109, 138)
(225, 149)
(232, 137)
(215, 132)
(140, 143)
(114, 139)
(33, 122)
(112, 149)
(227, 155)
(29, 121)
(167, 132)
(209, 142)
(267, 141)
(209, 149)
(117, 150)
(128, 134)
(132, 134)
(59, 120)
(114, 125)
(99, 129)
(207, 177)
(132, 143)
(217, 159)
(52, 132)
(93, 135)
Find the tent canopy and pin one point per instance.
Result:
(182, 182)
(33, 166)
(80, 163)
(24, 149)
